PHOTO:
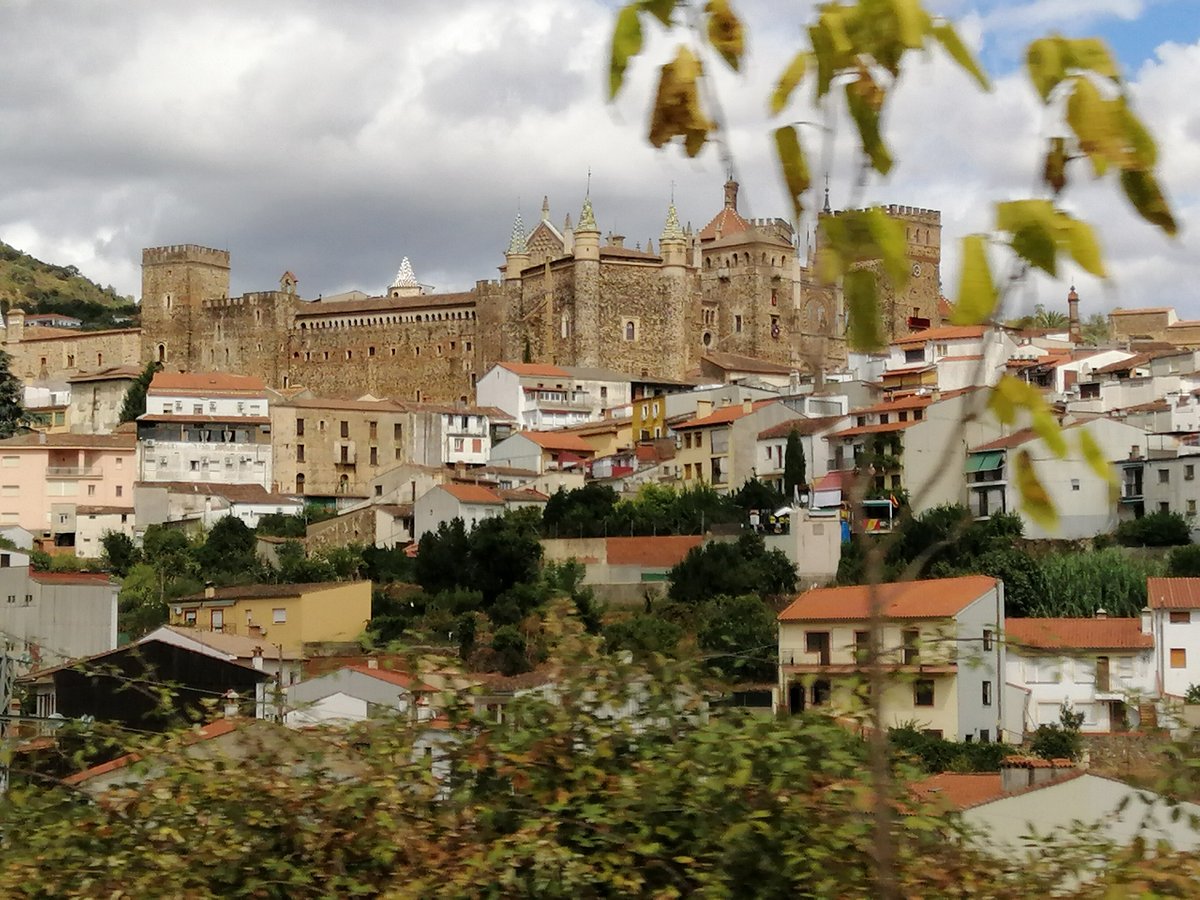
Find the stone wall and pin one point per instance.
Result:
(60, 356)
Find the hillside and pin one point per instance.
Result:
(39, 287)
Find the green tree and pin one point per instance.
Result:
(756, 495)
(1156, 529)
(229, 548)
(1049, 319)
(1095, 330)
(12, 410)
(141, 603)
(1025, 587)
(795, 474)
(744, 566)
(642, 635)
(441, 563)
(1184, 562)
(120, 554)
(738, 636)
(134, 404)
(503, 552)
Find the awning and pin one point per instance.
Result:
(985, 462)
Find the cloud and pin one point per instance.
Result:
(332, 141)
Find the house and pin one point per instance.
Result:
(355, 694)
(150, 684)
(48, 617)
(283, 663)
(294, 615)
(1161, 481)
(772, 447)
(623, 568)
(1053, 798)
(47, 405)
(472, 503)
(732, 368)
(44, 477)
(948, 358)
(52, 320)
(98, 397)
(943, 651)
(92, 523)
(718, 446)
(1174, 612)
(203, 504)
(542, 451)
(1084, 501)
(1142, 378)
(1102, 668)
(206, 427)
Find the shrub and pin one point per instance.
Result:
(1158, 529)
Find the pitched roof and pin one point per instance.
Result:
(735, 362)
(801, 425)
(205, 419)
(557, 440)
(207, 383)
(71, 577)
(1077, 634)
(234, 493)
(239, 646)
(104, 510)
(960, 790)
(523, 495)
(943, 333)
(878, 428)
(255, 591)
(728, 221)
(535, 370)
(661, 552)
(112, 373)
(400, 679)
(926, 599)
(1141, 311)
(1173, 593)
(207, 732)
(335, 403)
(725, 414)
(124, 440)
(1017, 438)
(472, 493)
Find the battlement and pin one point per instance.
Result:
(249, 299)
(915, 214)
(185, 253)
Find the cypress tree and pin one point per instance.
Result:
(793, 465)
(135, 397)
(12, 411)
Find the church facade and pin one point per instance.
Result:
(565, 296)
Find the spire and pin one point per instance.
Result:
(671, 230)
(545, 208)
(516, 243)
(587, 218)
(405, 276)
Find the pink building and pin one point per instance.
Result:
(45, 477)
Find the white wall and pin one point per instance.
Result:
(336, 708)
(978, 663)
(1170, 636)
(1054, 678)
(159, 402)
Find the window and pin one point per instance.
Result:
(737, 324)
(1191, 507)
(1164, 476)
(299, 453)
(987, 639)
(373, 430)
(194, 465)
(923, 692)
(818, 642)
(1164, 506)
(1181, 617)
(862, 645)
(91, 490)
(915, 356)
(985, 735)
(189, 617)
(120, 490)
(987, 693)
(217, 619)
(458, 445)
(374, 456)
(345, 429)
(1178, 658)
(821, 691)
(279, 616)
(299, 428)
(909, 638)
(5, 560)
(630, 330)
(1074, 484)
(397, 432)
(1189, 472)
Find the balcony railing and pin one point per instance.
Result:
(73, 472)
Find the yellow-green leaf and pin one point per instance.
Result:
(626, 44)
(1089, 116)
(1094, 457)
(1044, 62)
(1147, 198)
(1035, 500)
(791, 77)
(911, 22)
(953, 45)
(1032, 225)
(725, 32)
(1045, 425)
(823, 52)
(1081, 241)
(793, 165)
(1143, 151)
(864, 329)
(1092, 54)
(830, 265)
(863, 101)
(1054, 173)
(677, 111)
(1009, 395)
(891, 245)
(977, 295)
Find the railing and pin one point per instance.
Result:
(73, 472)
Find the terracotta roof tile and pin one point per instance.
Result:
(1173, 593)
(523, 495)
(40, 440)
(1017, 438)
(557, 440)
(1077, 634)
(960, 790)
(204, 419)
(472, 493)
(1142, 311)
(728, 221)
(535, 370)
(71, 578)
(399, 679)
(735, 362)
(650, 552)
(803, 426)
(255, 591)
(880, 428)
(205, 733)
(927, 599)
(234, 493)
(112, 373)
(725, 414)
(207, 382)
(944, 333)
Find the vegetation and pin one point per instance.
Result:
(37, 287)
(1061, 741)
(1156, 529)
(731, 569)
(934, 754)
(794, 470)
(1184, 562)
(1079, 584)
(134, 403)
(12, 408)
(595, 510)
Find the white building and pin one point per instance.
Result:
(355, 694)
(1102, 668)
(50, 617)
(203, 504)
(207, 427)
(1138, 379)
(772, 447)
(950, 358)
(540, 396)
(93, 522)
(1174, 605)
(470, 502)
(97, 398)
(1085, 504)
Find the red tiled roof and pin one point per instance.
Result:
(543, 370)
(945, 307)
(254, 591)
(1173, 593)
(206, 733)
(927, 599)
(1077, 634)
(231, 418)
(557, 440)
(71, 577)
(1142, 311)
(728, 221)
(207, 382)
(724, 415)
(399, 679)
(835, 480)
(1017, 438)
(39, 440)
(122, 373)
(976, 356)
(944, 333)
(960, 790)
(651, 552)
(802, 425)
(736, 362)
(909, 370)
(472, 493)
(912, 401)
(523, 495)
(881, 428)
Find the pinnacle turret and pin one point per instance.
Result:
(587, 218)
(516, 243)
(671, 230)
(405, 277)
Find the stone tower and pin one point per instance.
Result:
(587, 288)
(176, 280)
(916, 306)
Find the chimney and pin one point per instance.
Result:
(703, 408)
(256, 659)
(1101, 613)
(1146, 628)
(747, 406)
(231, 704)
(616, 240)
(210, 590)
(1073, 316)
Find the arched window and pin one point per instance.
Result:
(630, 331)
(99, 359)
(162, 352)
(299, 482)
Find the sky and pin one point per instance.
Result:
(334, 139)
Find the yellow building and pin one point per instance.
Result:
(289, 614)
(942, 649)
(605, 436)
(649, 419)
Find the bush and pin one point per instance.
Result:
(1184, 562)
(1158, 529)
(934, 754)
(1060, 741)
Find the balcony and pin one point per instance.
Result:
(74, 472)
